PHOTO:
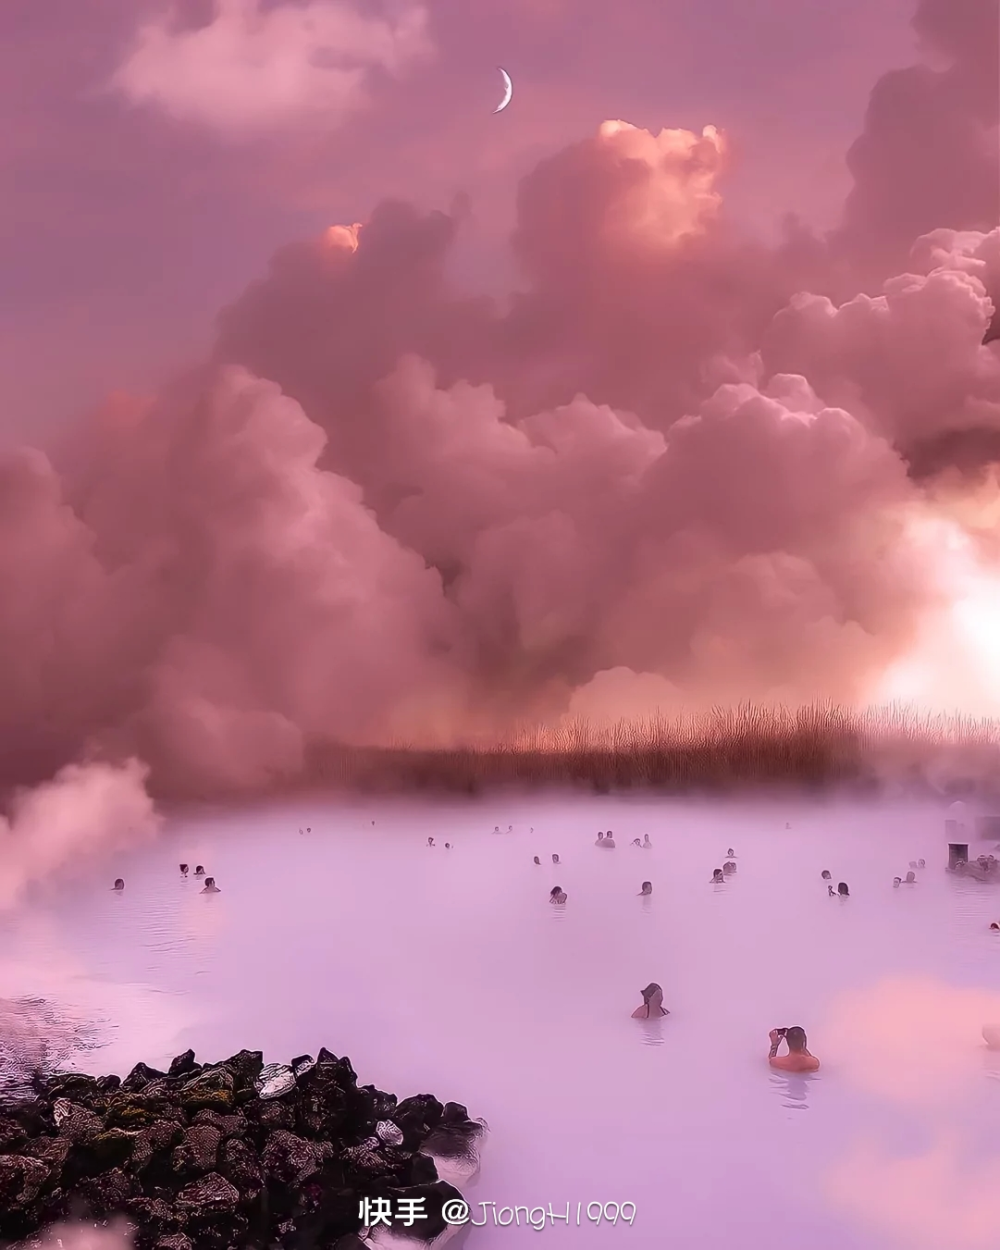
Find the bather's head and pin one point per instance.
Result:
(647, 887)
(119, 884)
(730, 852)
(842, 889)
(199, 870)
(718, 875)
(825, 874)
(994, 925)
(184, 869)
(796, 1037)
(555, 892)
(537, 860)
(652, 995)
(600, 836)
(921, 863)
(555, 859)
(910, 878)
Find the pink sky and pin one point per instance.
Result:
(123, 230)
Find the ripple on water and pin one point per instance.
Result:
(792, 1088)
(39, 1036)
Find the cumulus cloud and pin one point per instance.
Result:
(679, 469)
(255, 69)
(929, 156)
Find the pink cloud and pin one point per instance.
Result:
(253, 70)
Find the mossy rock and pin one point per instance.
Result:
(129, 1115)
(207, 1100)
(113, 1147)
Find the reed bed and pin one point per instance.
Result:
(820, 747)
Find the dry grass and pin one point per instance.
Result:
(738, 749)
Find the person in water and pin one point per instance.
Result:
(921, 863)
(647, 889)
(652, 1003)
(537, 860)
(897, 882)
(830, 890)
(646, 844)
(825, 874)
(994, 925)
(842, 890)
(557, 894)
(609, 839)
(555, 859)
(728, 868)
(199, 870)
(798, 1058)
(119, 885)
(600, 840)
(184, 870)
(447, 846)
(210, 886)
(496, 828)
(718, 877)
(430, 841)
(635, 842)
(911, 879)
(730, 854)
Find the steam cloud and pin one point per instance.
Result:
(85, 1237)
(918, 1043)
(81, 809)
(682, 468)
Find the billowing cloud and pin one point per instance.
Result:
(930, 152)
(85, 808)
(678, 469)
(254, 69)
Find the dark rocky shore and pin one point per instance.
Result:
(225, 1155)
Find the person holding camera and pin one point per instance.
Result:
(798, 1058)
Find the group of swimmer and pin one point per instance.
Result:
(719, 875)
(209, 888)
(840, 892)
(911, 877)
(797, 1059)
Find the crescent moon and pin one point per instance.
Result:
(508, 91)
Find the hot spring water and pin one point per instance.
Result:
(447, 971)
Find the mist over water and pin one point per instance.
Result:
(448, 971)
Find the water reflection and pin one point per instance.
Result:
(792, 1088)
(651, 1032)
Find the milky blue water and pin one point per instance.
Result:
(448, 971)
